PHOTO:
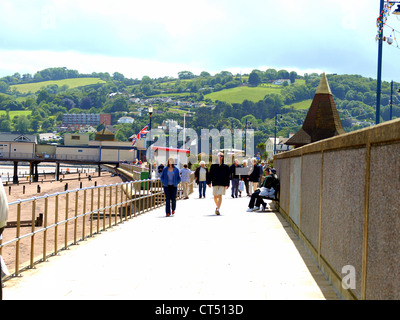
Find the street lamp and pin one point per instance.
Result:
(276, 124)
(380, 39)
(248, 123)
(148, 160)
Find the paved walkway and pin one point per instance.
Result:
(194, 255)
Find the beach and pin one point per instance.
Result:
(66, 232)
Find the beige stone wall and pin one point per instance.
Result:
(342, 196)
(77, 153)
(46, 148)
(73, 139)
(117, 155)
(22, 149)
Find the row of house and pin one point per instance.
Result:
(74, 121)
(170, 101)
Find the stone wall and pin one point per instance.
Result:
(342, 197)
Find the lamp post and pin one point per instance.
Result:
(391, 100)
(245, 137)
(148, 160)
(379, 76)
(276, 124)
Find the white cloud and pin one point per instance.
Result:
(170, 36)
(32, 61)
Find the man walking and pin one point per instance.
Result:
(234, 175)
(185, 176)
(219, 178)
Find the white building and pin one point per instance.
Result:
(126, 120)
(280, 146)
(281, 81)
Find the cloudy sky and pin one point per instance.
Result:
(160, 38)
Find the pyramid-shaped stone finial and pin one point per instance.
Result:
(323, 86)
(322, 120)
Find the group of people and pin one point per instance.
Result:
(246, 176)
(268, 190)
(219, 176)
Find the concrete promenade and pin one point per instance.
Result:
(191, 256)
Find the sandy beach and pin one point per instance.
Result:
(65, 209)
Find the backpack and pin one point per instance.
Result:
(277, 187)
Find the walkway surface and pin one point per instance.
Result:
(194, 255)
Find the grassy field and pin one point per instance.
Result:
(305, 104)
(239, 94)
(16, 113)
(71, 83)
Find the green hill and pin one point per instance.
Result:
(305, 104)
(239, 94)
(71, 83)
(12, 114)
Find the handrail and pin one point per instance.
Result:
(122, 201)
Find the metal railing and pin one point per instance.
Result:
(38, 156)
(72, 216)
(86, 212)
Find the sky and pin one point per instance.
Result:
(159, 38)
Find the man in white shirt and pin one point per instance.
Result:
(185, 176)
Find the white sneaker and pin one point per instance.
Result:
(256, 208)
(249, 210)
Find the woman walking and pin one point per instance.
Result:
(170, 179)
(255, 175)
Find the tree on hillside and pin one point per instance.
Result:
(292, 76)
(283, 74)
(4, 87)
(118, 76)
(146, 80)
(254, 78)
(185, 75)
(21, 124)
(43, 96)
(205, 74)
(271, 74)
(5, 125)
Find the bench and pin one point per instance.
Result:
(277, 190)
(26, 223)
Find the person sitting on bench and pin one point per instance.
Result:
(266, 190)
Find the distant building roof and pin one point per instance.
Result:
(17, 137)
(322, 120)
(106, 134)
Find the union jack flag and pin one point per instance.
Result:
(140, 134)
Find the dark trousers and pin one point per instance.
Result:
(202, 188)
(235, 186)
(255, 198)
(170, 198)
